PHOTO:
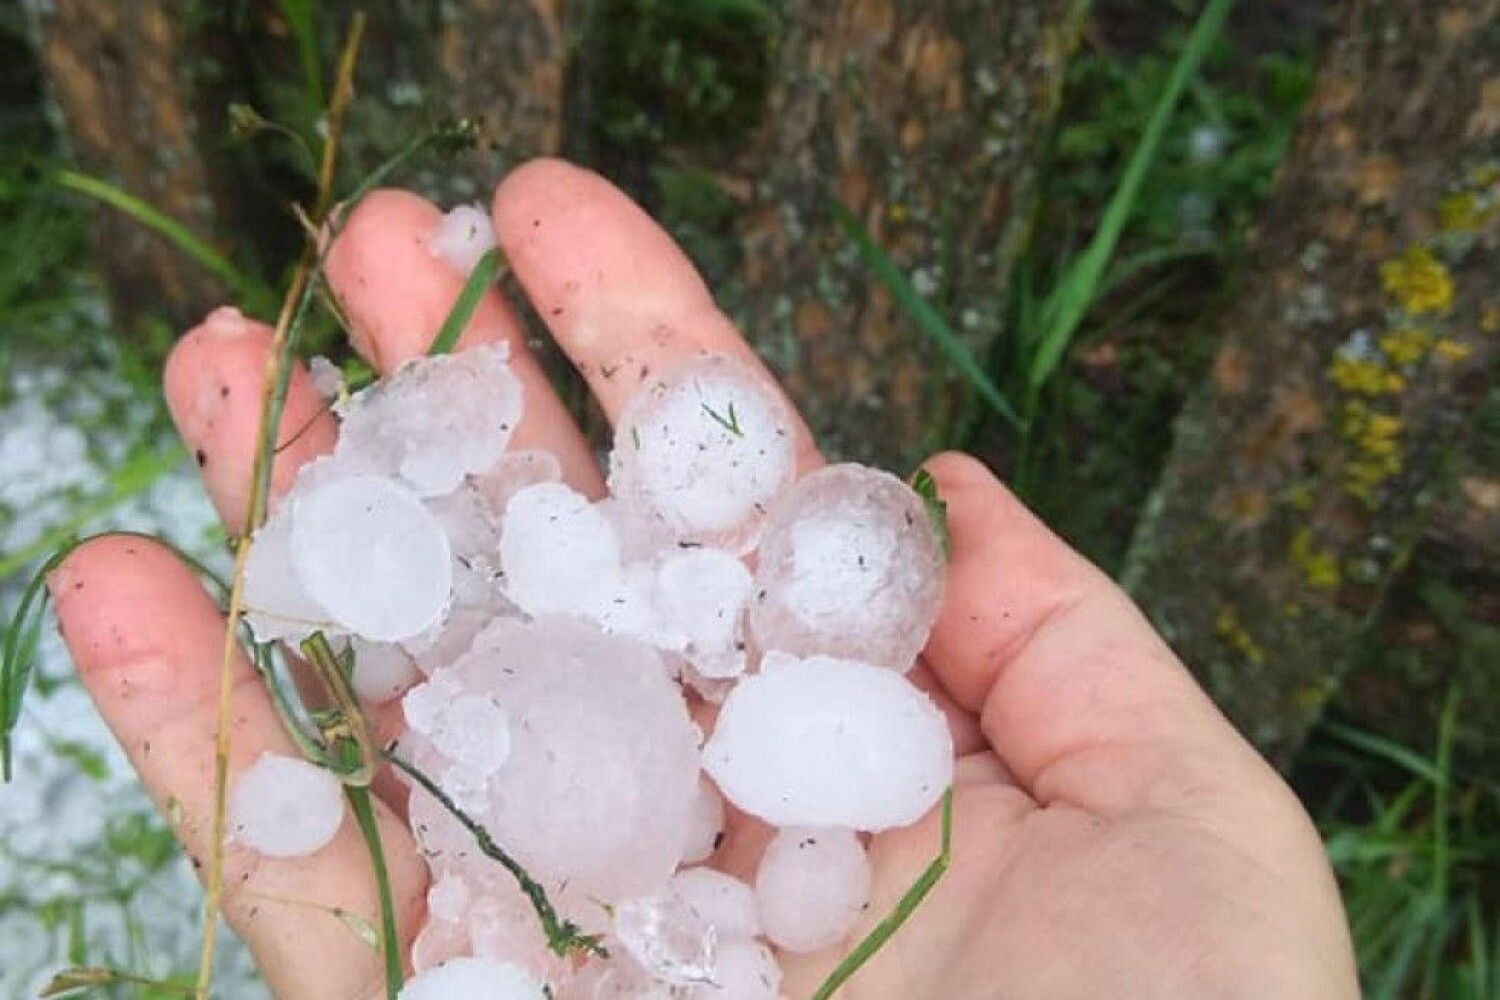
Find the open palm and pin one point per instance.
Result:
(1113, 835)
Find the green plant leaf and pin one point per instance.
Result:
(474, 288)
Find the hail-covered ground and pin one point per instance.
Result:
(597, 681)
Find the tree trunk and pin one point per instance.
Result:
(1352, 364)
(925, 121)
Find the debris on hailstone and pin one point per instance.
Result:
(285, 807)
(552, 651)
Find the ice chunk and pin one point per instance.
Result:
(812, 884)
(849, 566)
(470, 729)
(722, 901)
(603, 764)
(825, 742)
(743, 970)
(326, 377)
(439, 941)
(435, 419)
(473, 979)
(276, 605)
(285, 807)
(704, 824)
(667, 937)
(558, 553)
(462, 236)
(382, 670)
(515, 471)
(367, 550)
(473, 532)
(702, 449)
(701, 593)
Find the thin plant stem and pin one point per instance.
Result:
(390, 941)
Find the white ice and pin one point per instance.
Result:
(326, 377)
(667, 936)
(277, 607)
(472, 979)
(381, 670)
(704, 823)
(701, 595)
(462, 236)
(825, 742)
(722, 901)
(285, 807)
(849, 566)
(368, 551)
(743, 970)
(558, 553)
(471, 730)
(702, 449)
(812, 885)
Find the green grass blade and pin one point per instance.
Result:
(390, 941)
(474, 288)
(1079, 288)
(928, 320)
(1388, 750)
(258, 297)
(299, 20)
(907, 904)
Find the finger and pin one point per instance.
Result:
(395, 294)
(147, 642)
(619, 296)
(214, 383)
(1074, 689)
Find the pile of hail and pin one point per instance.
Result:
(591, 680)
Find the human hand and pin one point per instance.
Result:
(1113, 835)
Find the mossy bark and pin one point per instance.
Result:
(1354, 357)
(925, 121)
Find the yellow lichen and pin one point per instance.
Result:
(1375, 439)
(1318, 566)
(1489, 319)
(1451, 350)
(1407, 345)
(1460, 213)
(1364, 376)
(1229, 628)
(1418, 281)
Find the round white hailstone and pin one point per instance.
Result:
(462, 236)
(702, 594)
(703, 450)
(473, 979)
(603, 764)
(724, 902)
(285, 807)
(367, 550)
(705, 823)
(849, 566)
(382, 670)
(743, 970)
(277, 607)
(825, 742)
(515, 471)
(669, 938)
(470, 729)
(558, 553)
(327, 380)
(812, 884)
(435, 419)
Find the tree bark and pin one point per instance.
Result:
(925, 121)
(1353, 360)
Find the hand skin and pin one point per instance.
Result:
(1113, 835)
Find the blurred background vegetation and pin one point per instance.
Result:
(1132, 185)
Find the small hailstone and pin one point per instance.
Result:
(472, 979)
(367, 550)
(435, 420)
(277, 607)
(327, 380)
(743, 970)
(812, 884)
(471, 730)
(462, 236)
(515, 471)
(381, 670)
(558, 552)
(439, 942)
(825, 742)
(667, 936)
(723, 902)
(705, 823)
(702, 450)
(702, 593)
(848, 566)
(285, 807)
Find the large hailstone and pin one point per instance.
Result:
(462, 236)
(366, 549)
(603, 764)
(277, 606)
(825, 742)
(701, 450)
(285, 807)
(473, 979)
(435, 419)
(812, 885)
(558, 552)
(700, 597)
(849, 566)
(743, 970)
